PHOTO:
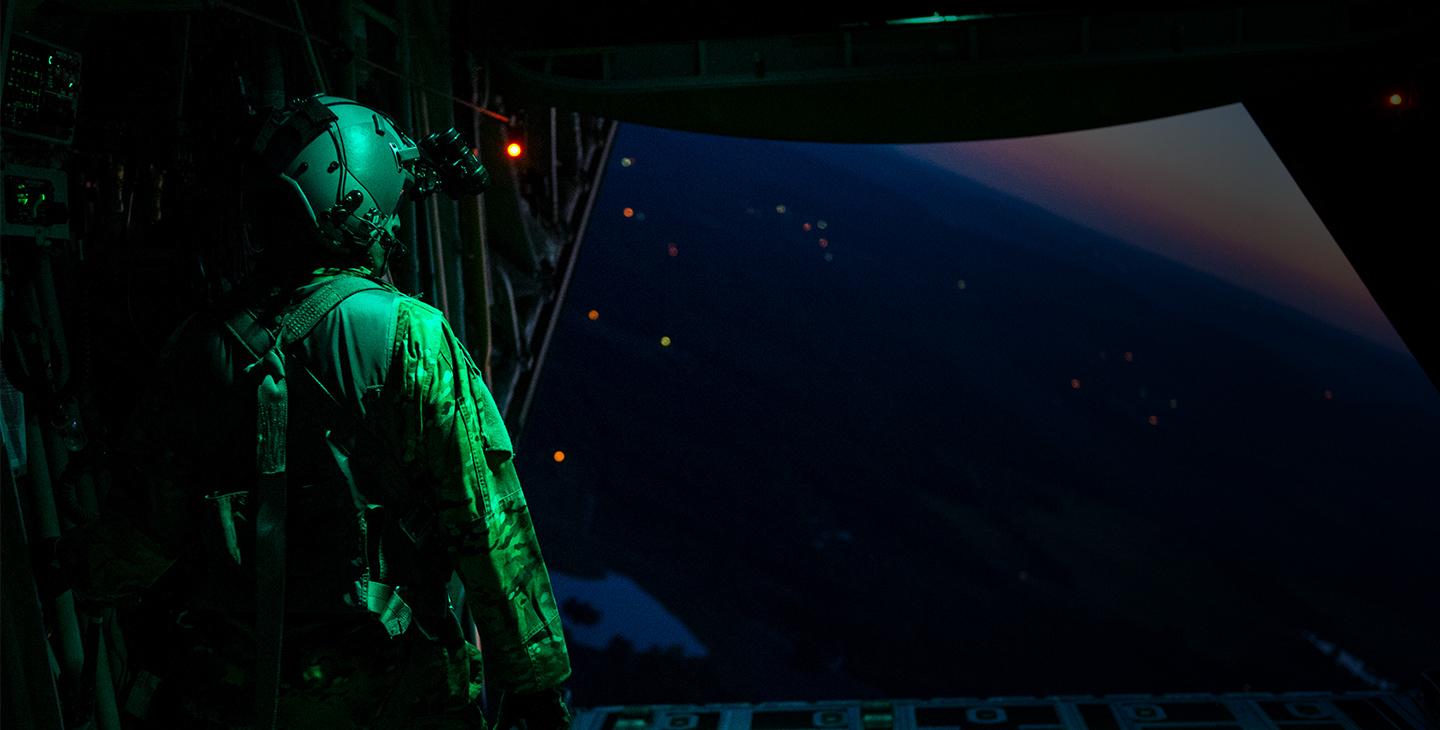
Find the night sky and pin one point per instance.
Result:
(1098, 412)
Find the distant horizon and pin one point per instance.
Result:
(797, 386)
(1203, 189)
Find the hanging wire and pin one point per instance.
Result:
(315, 69)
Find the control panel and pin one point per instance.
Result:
(42, 89)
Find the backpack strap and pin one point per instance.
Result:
(272, 415)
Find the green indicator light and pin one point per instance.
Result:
(313, 674)
(937, 18)
(50, 61)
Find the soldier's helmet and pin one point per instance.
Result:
(344, 165)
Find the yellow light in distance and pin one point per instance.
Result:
(1396, 100)
(665, 341)
(559, 456)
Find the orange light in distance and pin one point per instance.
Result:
(514, 149)
(1154, 420)
(1129, 356)
(628, 212)
(593, 315)
(1075, 383)
(673, 250)
(1396, 100)
(559, 456)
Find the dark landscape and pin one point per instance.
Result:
(978, 450)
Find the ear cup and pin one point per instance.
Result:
(278, 215)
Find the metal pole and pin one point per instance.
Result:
(482, 241)
(71, 656)
(30, 697)
(554, 169)
(407, 116)
(564, 283)
(433, 244)
(315, 70)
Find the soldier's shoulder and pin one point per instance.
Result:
(379, 296)
(419, 312)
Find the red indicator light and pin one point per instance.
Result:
(673, 250)
(514, 149)
(1075, 383)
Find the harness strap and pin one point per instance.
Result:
(272, 415)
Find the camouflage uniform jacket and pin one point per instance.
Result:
(385, 401)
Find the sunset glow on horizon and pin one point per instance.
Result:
(1204, 189)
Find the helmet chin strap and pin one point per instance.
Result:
(388, 245)
(385, 260)
(375, 234)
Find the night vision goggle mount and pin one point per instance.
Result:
(448, 164)
(368, 152)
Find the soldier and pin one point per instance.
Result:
(320, 456)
